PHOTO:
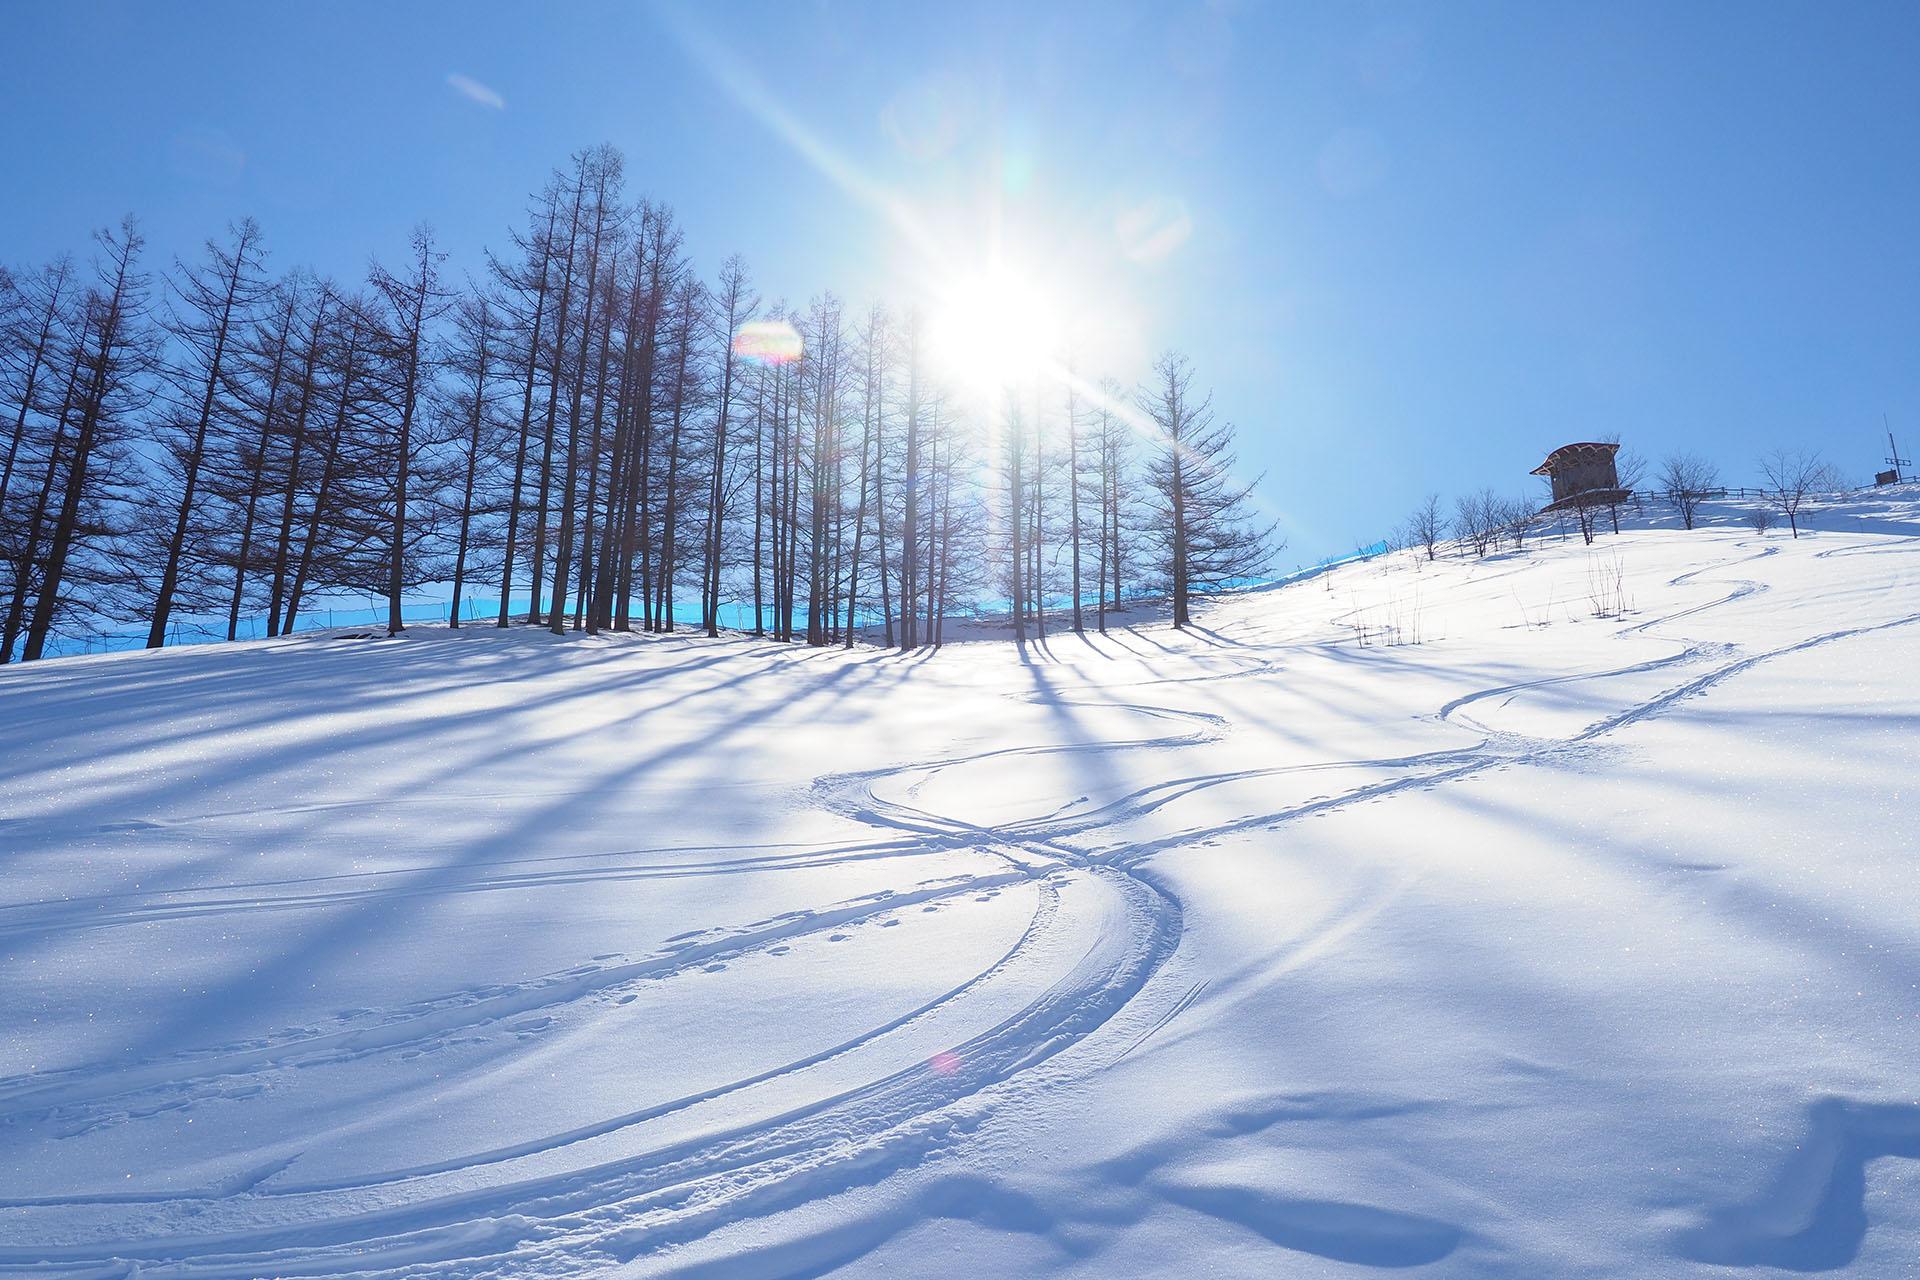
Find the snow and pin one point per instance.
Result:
(1553, 944)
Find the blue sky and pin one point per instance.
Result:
(1411, 247)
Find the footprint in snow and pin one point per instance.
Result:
(778, 951)
(715, 967)
(889, 924)
(838, 937)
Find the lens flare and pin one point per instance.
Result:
(1151, 230)
(768, 342)
(928, 119)
(992, 330)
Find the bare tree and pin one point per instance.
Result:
(1687, 478)
(657, 271)
(349, 403)
(1760, 520)
(872, 407)
(1114, 442)
(586, 606)
(1015, 431)
(472, 359)
(1793, 477)
(601, 170)
(308, 394)
(1039, 526)
(411, 304)
(556, 368)
(269, 346)
(682, 396)
(1477, 519)
(28, 528)
(31, 349)
(108, 387)
(910, 495)
(1073, 492)
(1205, 524)
(823, 365)
(1426, 526)
(1586, 515)
(1516, 518)
(211, 303)
(527, 281)
(734, 305)
(1630, 471)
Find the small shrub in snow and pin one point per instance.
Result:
(1607, 585)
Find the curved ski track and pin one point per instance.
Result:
(616, 1196)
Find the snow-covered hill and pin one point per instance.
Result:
(1552, 914)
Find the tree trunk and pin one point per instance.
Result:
(526, 427)
(36, 528)
(170, 576)
(41, 348)
(588, 567)
(563, 544)
(259, 473)
(910, 496)
(103, 367)
(475, 420)
(1073, 503)
(534, 611)
(329, 472)
(309, 360)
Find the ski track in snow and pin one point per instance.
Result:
(619, 1197)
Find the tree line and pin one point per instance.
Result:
(584, 435)
(1482, 522)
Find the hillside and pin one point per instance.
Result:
(1549, 914)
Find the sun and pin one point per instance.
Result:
(992, 329)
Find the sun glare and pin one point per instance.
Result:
(991, 330)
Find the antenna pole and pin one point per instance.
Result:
(1894, 460)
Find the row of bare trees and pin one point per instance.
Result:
(1788, 479)
(585, 433)
(1481, 522)
(1685, 481)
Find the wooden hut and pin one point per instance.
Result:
(1583, 475)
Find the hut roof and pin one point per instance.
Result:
(1569, 454)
